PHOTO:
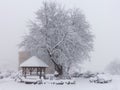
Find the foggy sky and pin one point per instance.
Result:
(103, 16)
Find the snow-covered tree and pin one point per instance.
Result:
(114, 67)
(61, 34)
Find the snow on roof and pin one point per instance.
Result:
(33, 62)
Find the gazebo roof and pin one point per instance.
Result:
(33, 62)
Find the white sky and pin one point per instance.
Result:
(103, 15)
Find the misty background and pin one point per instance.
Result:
(103, 16)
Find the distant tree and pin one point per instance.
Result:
(114, 67)
(63, 35)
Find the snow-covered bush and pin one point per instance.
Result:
(88, 74)
(15, 75)
(114, 67)
(76, 75)
(59, 82)
(1, 77)
(50, 76)
(101, 78)
(5, 74)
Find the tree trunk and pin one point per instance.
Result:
(58, 67)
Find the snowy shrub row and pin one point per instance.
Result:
(9, 74)
(58, 82)
(5, 74)
(52, 82)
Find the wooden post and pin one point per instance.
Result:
(25, 71)
(44, 72)
(30, 70)
(40, 72)
(37, 71)
(22, 71)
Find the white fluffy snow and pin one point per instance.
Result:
(33, 62)
(81, 84)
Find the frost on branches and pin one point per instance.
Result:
(62, 35)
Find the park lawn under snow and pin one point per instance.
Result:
(81, 84)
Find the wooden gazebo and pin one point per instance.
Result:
(33, 66)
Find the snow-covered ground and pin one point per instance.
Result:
(81, 84)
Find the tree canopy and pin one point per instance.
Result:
(62, 34)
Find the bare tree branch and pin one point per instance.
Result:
(59, 42)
